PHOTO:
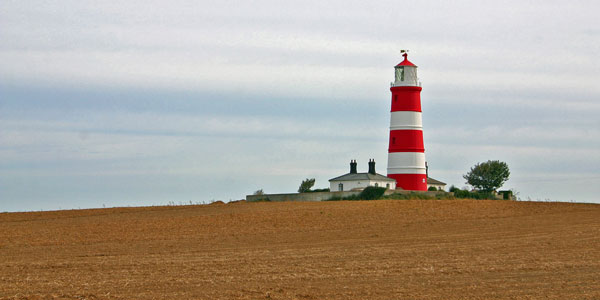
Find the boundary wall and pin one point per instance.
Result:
(316, 196)
(322, 196)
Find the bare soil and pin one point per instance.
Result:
(393, 249)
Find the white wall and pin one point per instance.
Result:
(349, 185)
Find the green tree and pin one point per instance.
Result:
(488, 176)
(306, 185)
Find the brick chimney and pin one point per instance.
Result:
(371, 166)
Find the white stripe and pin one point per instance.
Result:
(406, 120)
(406, 163)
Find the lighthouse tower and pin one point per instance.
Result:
(406, 154)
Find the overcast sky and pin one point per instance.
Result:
(117, 103)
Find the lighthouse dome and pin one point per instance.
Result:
(406, 73)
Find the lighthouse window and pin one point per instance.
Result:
(395, 98)
(393, 140)
(400, 74)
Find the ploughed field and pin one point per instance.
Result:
(393, 249)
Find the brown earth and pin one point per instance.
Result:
(417, 249)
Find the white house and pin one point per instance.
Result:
(435, 183)
(354, 180)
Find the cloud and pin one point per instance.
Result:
(197, 96)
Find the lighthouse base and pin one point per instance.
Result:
(410, 182)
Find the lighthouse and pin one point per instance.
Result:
(406, 152)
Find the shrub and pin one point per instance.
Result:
(453, 189)
(444, 195)
(340, 198)
(371, 193)
(473, 195)
(335, 198)
(413, 196)
(352, 197)
(432, 189)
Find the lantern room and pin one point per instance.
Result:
(406, 73)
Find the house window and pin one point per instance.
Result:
(341, 187)
(387, 185)
(376, 184)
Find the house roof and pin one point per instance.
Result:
(433, 181)
(361, 176)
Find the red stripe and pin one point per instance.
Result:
(410, 182)
(406, 141)
(406, 98)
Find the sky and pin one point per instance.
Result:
(129, 103)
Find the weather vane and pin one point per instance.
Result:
(404, 53)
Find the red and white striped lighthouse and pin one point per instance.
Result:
(406, 154)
